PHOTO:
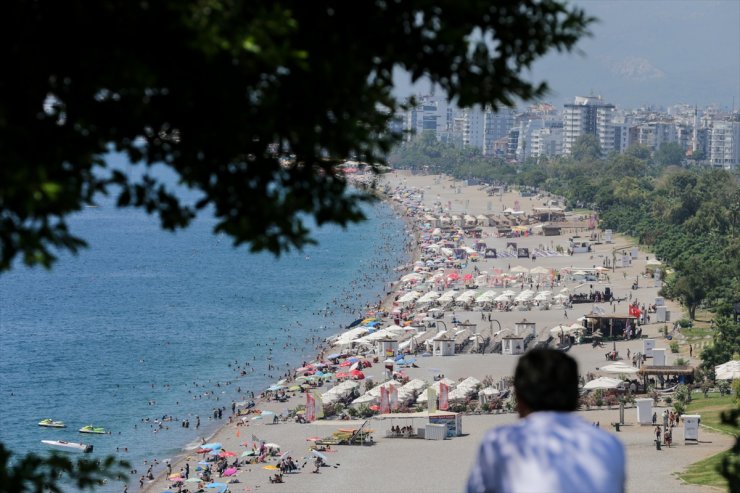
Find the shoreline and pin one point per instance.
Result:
(357, 463)
(261, 402)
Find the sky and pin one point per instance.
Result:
(658, 52)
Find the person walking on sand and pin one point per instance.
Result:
(550, 449)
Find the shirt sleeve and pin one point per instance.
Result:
(479, 479)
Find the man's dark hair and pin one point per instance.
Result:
(547, 380)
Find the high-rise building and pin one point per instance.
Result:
(724, 144)
(495, 126)
(432, 114)
(588, 115)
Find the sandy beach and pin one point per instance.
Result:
(401, 464)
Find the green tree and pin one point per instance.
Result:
(669, 154)
(32, 473)
(253, 104)
(586, 148)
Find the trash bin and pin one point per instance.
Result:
(657, 444)
(616, 425)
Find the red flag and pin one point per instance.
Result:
(310, 408)
(393, 396)
(443, 395)
(385, 406)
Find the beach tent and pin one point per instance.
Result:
(727, 371)
(450, 383)
(603, 383)
(619, 368)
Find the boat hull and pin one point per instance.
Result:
(68, 446)
(52, 424)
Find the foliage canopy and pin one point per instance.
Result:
(253, 104)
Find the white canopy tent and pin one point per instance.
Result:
(727, 371)
(603, 383)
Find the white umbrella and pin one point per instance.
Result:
(502, 297)
(429, 297)
(602, 383)
(520, 269)
(412, 277)
(727, 371)
(560, 297)
(618, 368)
(524, 296)
(409, 297)
(539, 270)
(541, 297)
(486, 297)
(448, 296)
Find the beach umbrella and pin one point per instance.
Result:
(227, 454)
(602, 383)
(193, 480)
(249, 453)
(221, 487)
(211, 446)
(539, 270)
(204, 463)
(272, 445)
(230, 471)
(285, 454)
(175, 477)
(321, 456)
(294, 388)
(267, 413)
(519, 269)
(271, 468)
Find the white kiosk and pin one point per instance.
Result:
(512, 345)
(659, 357)
(691, 427)
(387, 347)
(644, 411)
(443, 347)
(647, 347)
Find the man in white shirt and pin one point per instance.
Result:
(550, 450)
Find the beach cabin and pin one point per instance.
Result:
(659, 357)
(644, 411)
(551, 230)
(610, 326)
(548, 213)
(512, 344)
(525, 328)
(503, 230)
(444, 346)
(577, 245)
(469, 221)
(387, 347)
(457, 220)
(483, 221)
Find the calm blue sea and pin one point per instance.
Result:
(146, 324)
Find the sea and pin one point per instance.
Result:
(147, 325)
